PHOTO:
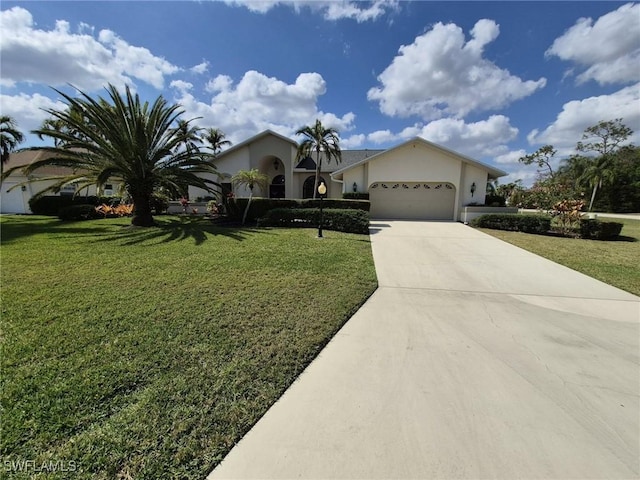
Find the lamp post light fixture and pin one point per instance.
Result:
(473, 188)
(355, 187)
(322, 189)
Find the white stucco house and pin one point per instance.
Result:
(414, 180)
(17, 189)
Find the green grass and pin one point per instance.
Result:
(614, 262)
(148, 353)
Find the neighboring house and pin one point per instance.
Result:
(414, 180)
(15, 199)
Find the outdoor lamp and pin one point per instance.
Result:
(355, 187)
(473, 188)
(322, 189)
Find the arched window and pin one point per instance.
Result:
(276, 189)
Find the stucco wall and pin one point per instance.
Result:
(473, 174)
(414, 162)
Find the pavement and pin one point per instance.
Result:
(473, 359)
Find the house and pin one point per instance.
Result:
(414, 180)
(14, 197)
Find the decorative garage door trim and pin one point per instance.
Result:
(413, 200)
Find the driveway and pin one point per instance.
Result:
(473, 359)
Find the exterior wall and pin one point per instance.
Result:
(473, 174)
(414, 162)
(358, 176)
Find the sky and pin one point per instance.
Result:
(491, 80)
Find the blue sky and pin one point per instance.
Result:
(492, 80)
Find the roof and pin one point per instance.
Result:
(493, 172)
(255, 138)
(25, 157)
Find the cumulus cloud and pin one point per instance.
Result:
(258, 102)
(381, 136)
(608, 49)
(28, 110)
(441, 74)
(331, 10)
(58, 56)
(200, 68)
(577, 115)
(511, 157)
(354, 141)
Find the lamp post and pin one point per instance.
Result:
(322, 189)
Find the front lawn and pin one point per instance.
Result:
(613, 262)
(148, 353)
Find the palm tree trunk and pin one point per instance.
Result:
(246, 209)
(593, 195)
(142, 211)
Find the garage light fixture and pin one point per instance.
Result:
(355, 187)
(473, 188)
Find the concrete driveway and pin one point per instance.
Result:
(473, 359)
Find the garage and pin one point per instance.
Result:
(12, 200)
(413, 200)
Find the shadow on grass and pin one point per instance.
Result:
(180, 229)
(21, 226)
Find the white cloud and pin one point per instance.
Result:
(200, 68)
(354, 141)
(440, 74)
(577, 115)
(511, 157)
(382, 136)
(331, 10)
(485, 138)
(258, 102)
(58, 57)
(608, 48)
(181, 86)
(28, 110)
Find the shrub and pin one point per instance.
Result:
(260, 206)
(355, 196)
(594, 229)
(516, 223)
(567, 214)
(77, 212)
(340, 220)
(491, 200)
(51, 204)
(339, 203)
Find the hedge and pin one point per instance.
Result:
(51, 204)
(595, 229)
(516, 223)
(260, 206)
(338, 219)
(356, 196)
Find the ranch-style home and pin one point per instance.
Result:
(414, 180)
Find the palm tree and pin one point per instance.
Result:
(190, 135)
(124, 139)
(249, 178)
(598, 172)
(10, 138)
(216, 139)
(322, 141)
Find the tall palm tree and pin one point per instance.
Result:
(324, 142)
(124, 139)
(10, 138)
(249, 178)
(598, 172)
(190, 135)
(216, 139)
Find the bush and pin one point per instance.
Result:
(77, 212)
(516, 223)
(355, 196)
(51, 204)
(594, 229)
(494, 200)
(260, 206)
(340, 220)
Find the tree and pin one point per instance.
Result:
(605, 139)
(216, 139)
(249, 178)
(10, 138)
(323, 141)
(124, 139)
(542, 157)
(190, 135)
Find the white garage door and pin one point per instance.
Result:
(13, 201)
(412, 200)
